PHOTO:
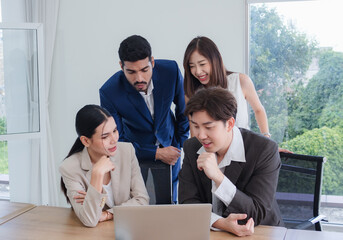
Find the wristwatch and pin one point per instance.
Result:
(267, 134)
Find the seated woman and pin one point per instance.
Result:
(100, 172)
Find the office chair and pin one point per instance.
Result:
(299, 190)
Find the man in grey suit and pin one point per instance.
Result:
(234, 169)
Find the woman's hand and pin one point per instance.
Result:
(80, 198)
(100, 168)
(105, 215)
(103, 165)
(284, 150)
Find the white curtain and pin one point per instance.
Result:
(46, 12)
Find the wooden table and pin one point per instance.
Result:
(261, 233)
(61, 223)
(294, 234)
(9, 210)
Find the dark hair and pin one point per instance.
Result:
(134, 48)
(209, 50)
(87, 120)
(219, 103)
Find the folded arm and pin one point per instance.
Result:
(88, 210)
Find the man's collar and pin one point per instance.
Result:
(235, 152)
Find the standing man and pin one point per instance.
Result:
(139, 98)
(234, 169)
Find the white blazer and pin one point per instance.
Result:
(127, 183)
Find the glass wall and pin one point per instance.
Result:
(4, 178)
(296, 64)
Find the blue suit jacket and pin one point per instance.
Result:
(133, 117)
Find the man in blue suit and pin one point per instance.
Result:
(139, 97)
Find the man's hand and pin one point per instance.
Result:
(231, 225)
(207, 162)
(168, 155)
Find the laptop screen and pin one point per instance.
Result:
(162, 222)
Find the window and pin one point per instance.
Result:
(22, 123)
(296, 64)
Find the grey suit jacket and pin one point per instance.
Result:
(127, 183)
(256, 179)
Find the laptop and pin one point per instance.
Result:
(162, 222)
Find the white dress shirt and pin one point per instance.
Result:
(149, 98)
(226, 190)
(149, 101)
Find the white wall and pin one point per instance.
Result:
(89, 33)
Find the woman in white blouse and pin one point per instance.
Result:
(204, 68)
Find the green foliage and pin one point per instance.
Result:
(2, 125)
(332, 114)
(279, 58)
(3, 148)
(327, 142)
(320, 103)
(3, 158)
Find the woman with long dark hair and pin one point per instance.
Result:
(204, 68)
(100, 172)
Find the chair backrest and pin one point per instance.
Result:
(299, 188)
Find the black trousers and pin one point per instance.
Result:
(161, 174)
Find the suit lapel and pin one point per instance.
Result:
(158, 99)
(86, 163)
(115, 178)
(233, 171)
(206, 183)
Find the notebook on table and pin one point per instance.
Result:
(162, 222)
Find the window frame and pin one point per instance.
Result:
(42, 133)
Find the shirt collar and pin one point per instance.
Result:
(236, 151)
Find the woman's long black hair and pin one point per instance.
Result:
(87, 120)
